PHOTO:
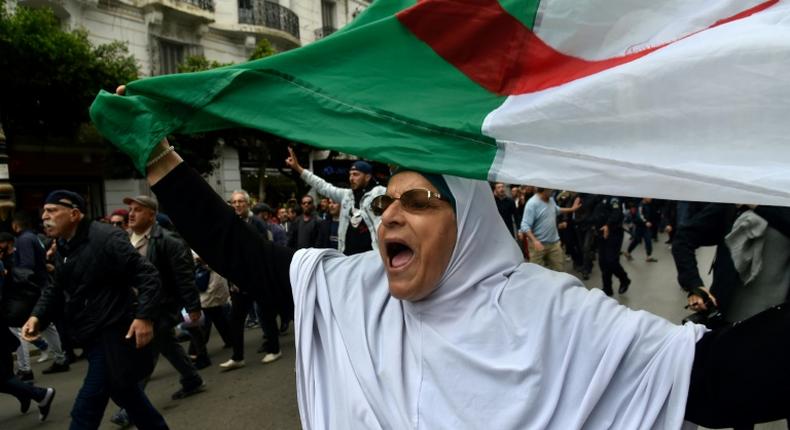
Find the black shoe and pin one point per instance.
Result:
(608, 291)
(45, 404)
(284, 327)
(586, 276)
(25, 375)
(24, 405)
(202, 363)
(56, 368)
(185, 392)
(227, 346)
(624, 286)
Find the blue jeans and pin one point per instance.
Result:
(97, 389)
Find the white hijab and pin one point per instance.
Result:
(499, 344)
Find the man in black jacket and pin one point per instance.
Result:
(109, 296)
(711, 226)
(608, 216)
(30, 254)
(173, 259)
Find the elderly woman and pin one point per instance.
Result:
(445, 327)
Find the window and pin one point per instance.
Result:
(328, 14)
(170, 56)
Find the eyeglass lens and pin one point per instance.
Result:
(412, 200)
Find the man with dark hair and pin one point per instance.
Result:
(109, 295)
(29, 254)
(265, 213)
(173, 260)
(120, 218)
(506, 207)
(356, 230)
(539, 225)
(304, 231)
(608, 219)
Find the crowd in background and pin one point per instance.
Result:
(551, 227)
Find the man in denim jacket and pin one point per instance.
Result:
(357, 230)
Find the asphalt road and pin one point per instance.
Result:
(262, 396)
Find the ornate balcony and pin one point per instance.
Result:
(202, 4)
(267, 14)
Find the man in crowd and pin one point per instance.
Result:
(120, 219)
(744, 236)
(586, 232)
(173, 261)
(567, 230)
(10, 297)
(244, 303)
(505, 206)
(356, 231)
(109, 295)
(304, 231)
(540, 227)
(285, 221)
(327, 235)
(643, 227)
(608, 218)
(265, 213)
(323, 209)
(519, 202)
(240, 200)
(29, 253)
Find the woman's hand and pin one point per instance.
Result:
(697, 303)
(161, 159)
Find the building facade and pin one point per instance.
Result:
(162, 33)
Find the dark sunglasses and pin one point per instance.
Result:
(416, 200)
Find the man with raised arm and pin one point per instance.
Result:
(357, 229)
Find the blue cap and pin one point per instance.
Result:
(362, 166)
(66, 198)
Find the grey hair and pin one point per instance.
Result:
(243, 193)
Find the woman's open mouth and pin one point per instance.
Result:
(399, 255)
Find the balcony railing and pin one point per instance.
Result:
(203, 4)
(323, 32)
(270, 15)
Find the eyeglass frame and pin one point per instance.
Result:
(432, 195)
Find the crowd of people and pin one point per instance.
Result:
(553, 226)
(164, 293)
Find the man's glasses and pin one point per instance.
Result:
(416, 200)
(307, 203)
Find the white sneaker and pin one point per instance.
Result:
(270, 357)
(43, 357)
(232, 364)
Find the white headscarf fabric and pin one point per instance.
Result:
(499, 344)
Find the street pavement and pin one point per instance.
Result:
(262, 396)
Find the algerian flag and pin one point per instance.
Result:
(682, 99)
